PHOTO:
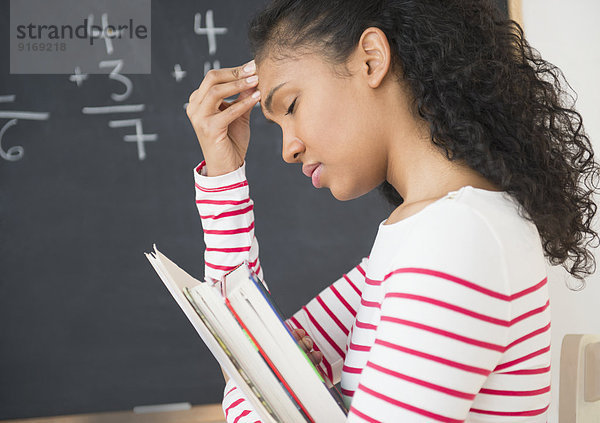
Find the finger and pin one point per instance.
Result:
(225, 104)
(298, 333)
(242, 96)
(236, 110)
(308, 342)
(225, 375)
(304, 346)
(218, 93)
(316, 357)
(224, 75)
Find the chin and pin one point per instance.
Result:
(346, 195)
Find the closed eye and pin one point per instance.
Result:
(291, 108)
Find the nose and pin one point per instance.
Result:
(292, 148)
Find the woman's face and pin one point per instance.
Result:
(330, 123)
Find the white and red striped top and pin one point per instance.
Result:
(448, 320)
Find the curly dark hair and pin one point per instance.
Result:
(490, 100)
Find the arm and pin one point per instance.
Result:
(444, 323)
(223, 131)
(227, 218)
(328, 318)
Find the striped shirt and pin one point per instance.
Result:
(447, 320)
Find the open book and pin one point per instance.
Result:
(244, 330)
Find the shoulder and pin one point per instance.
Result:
(454, 238)
(450, 215)
(451, 226)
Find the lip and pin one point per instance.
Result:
(309, 169)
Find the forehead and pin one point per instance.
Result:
(297, 72)
(272, 72)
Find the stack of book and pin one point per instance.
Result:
(243, 328)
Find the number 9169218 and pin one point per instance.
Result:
(47, 46)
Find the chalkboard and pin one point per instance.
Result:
(86, 325)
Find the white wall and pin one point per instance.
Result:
(567, 34)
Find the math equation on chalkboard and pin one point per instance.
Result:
(127, 118)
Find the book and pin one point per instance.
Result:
(243, 328)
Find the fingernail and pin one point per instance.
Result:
(256, 94)
(252, 79)
(249, 67)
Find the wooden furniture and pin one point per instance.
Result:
(515, 11)
(212, 413)
(579, 387)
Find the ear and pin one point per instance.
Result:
(374, 54)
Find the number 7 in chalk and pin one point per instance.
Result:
(139, 136)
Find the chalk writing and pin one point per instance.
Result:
(106, 33)
(16, 152)
(210, 30)
(139, 136)
(78, 77)
(215, 65)
(113, 109)
(114, 74)
(177, 73)
(116, 65)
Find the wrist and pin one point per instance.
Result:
(212, 171)
(203, 180)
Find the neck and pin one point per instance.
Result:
(420, 171)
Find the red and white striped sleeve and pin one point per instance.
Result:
(227, 216)
(444, 323)
(226, 211)
(328, 319)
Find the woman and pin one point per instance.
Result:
(447, 108)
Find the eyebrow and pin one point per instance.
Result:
(269, 99)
